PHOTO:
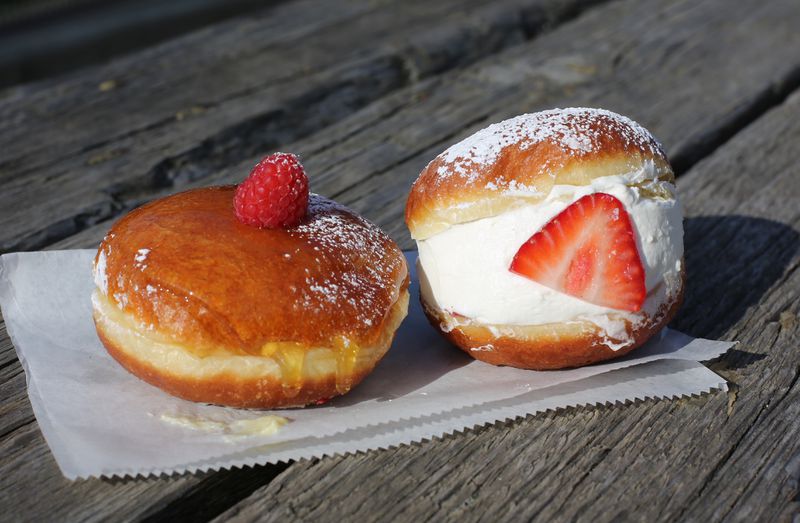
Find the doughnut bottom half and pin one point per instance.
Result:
(292, 376)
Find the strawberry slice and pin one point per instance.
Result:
(587, 251)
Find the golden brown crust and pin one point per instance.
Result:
(548, 347)
(240, 390)
(209, 309)
(185, 267)
(518, 161)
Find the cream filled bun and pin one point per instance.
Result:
(549, 240)
(192, 300)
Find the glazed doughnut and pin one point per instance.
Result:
(549, 240)
(209, 309)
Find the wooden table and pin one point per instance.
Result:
(368, 92)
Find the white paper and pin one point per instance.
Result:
(100, 420)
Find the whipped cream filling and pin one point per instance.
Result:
(464, 270)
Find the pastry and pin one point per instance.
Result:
(549, 240)
(259, 296)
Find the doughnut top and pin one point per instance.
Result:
(518, 161)
(185, 267)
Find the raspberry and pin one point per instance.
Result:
(274, 195)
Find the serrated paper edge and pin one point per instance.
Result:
(398, 441)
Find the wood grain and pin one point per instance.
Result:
(241, 100)
(691, 100)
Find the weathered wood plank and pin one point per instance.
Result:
(692, 99)
(15, 409)
(26, 451)
(200, 62)
(41, 41)
(7, 354)
(232, 108)
(700, 459)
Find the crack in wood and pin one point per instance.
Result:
(68, 226)
(339, 95)
(16, 428)
(704, 145)
(763, 463)
(400, 161)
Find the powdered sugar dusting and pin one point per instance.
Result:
(571, 129)
(141, 258)
(365, 263)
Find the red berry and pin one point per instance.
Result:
(274, 195)
(587, 251)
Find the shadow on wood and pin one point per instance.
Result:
(735, 359)
(731, 262)
(216, 492)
